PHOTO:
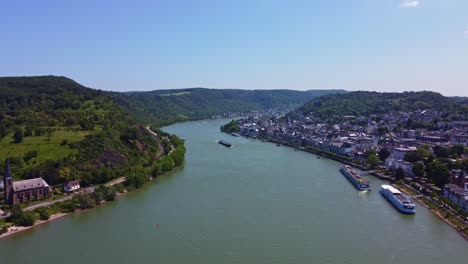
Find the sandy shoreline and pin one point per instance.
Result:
(12, 230)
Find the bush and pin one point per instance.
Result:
(29, 155)
(25, 219)
(136, 180)
(18, 136)
(105, 193)
(3, 230)
(68, 207)
(44, 213)
(64, 142)
(86, 200)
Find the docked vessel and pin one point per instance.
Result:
(225, 143)
(357, 180)
(397, 199)
(235, 134)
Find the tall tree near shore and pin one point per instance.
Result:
(418, 169)
(399, 174)
(373, 160)
(438, 173)
(384, 153)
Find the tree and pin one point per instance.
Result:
(458, 149)
(2, 131)
(18, 136)
(399, 174)
(86, 200)
(384, 153)
(441, 152)
(373, 160)
(28, 131)
(64, 173)
(419, 155)
(49, 131)
(44, 213)
(418, 169)
(383, 130)
(21, 218)
(438, 173)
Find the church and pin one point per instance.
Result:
(24, 191)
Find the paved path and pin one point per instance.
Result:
(116, 181)
(69, 197)
(162, 150)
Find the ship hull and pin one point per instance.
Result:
(354, 181)
(224, 143)
(394, 202)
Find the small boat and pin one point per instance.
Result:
(318, 157)
(278, 145)
(234, 134)
(225, 143)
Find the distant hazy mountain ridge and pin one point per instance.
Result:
(168, 106)
(366, 103)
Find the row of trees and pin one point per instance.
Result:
(28, 218)
(435, 165)
(139, 175)
(29, 131)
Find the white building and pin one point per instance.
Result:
(399, 153)
(72, 186)
(457, 195)
(393, 164)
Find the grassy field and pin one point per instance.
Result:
(46, 149)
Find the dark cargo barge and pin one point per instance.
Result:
(224, 143)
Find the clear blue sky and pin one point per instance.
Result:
(382, 45)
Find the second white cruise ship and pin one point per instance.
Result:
(396, 198)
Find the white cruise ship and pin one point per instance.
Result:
(397, 199)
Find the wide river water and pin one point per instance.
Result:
(252, 203)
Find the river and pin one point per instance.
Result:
(252, 203)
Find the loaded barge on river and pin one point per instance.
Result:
(357, 180)
(225, 143)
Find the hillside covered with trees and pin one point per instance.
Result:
(55, 128)
(163, 107)
(367, 103)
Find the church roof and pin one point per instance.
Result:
(29, 184)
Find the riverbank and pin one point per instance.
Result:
(13, 230)
(445, 215)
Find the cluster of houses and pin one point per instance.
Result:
(353, 136)
(457, 195)
(18, 192)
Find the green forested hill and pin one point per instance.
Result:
(167, 106)
(52, 127)
(366, 103)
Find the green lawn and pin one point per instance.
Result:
(46, 149)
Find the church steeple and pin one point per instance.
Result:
(8, 175)
(8, 184)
